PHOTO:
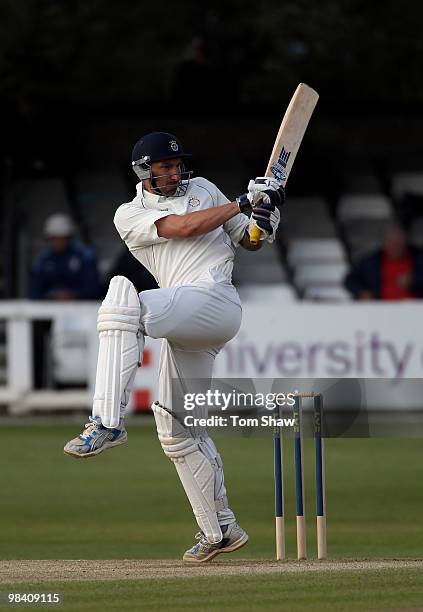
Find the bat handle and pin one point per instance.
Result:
(255, 235)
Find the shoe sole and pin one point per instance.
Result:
(96, 452)
(228, 549)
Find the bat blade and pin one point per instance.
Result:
(288, 139)
(291, 132)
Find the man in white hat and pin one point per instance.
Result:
(66, 269)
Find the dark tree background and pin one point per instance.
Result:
(100, 53)
(80, 79)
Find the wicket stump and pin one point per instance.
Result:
(299, 480)
(279, 500)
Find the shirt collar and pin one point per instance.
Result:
(151, 198)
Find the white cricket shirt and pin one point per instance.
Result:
(180, 261)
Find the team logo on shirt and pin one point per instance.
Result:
(174, 145)
(193, 201)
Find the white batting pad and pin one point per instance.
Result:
(120, 349)
(196, 471)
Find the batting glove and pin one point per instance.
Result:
(267, 219)
(266, 189)
(244, 204)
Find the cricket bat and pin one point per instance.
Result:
(288, 140)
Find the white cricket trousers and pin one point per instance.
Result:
(195, 322)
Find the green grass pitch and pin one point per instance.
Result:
(128, 503)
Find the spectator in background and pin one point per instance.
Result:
(67, 269)
(394, 272)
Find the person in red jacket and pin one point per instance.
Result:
(394, 272)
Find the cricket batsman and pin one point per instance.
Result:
(185, 232)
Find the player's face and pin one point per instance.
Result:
(167, 175)
(59, 243)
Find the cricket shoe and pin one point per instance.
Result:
(234, 537)
(95, 439)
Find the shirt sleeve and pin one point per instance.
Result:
(236, 226)
(137, 227)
